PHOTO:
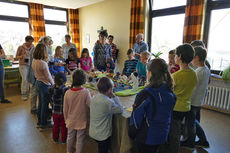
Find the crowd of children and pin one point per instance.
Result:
(173, 92)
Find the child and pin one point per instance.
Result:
(109, 65)
(130, 64)
(59, 64)
(76, 104)
(197, 98)
(141, 65)
(173, 67)
(73, 62)
(102, 108)
(57, 93)
(86, 61)
(185, 81)
(152, 108)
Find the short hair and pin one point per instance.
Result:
(104, 84)
(145, 54)
(67, 36)
(104, 33)
(45, 40)
(172, 51)
(110, 36)
(130, 51)
(40, 52)
(79, 77)
(29, 38)
(196, 43)
(140, 35)
(186, 52)
(201, 53)
(60, 79)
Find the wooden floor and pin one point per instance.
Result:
(18, 132)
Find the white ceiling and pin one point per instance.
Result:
(73, 4)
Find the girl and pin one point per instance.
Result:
(152, 109)
(59, 64)
(86, 61)
(76, 104)
(43, 82)
(73, 62)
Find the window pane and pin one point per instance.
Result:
(56, 15)
(11, 37)
(57, 32)
(167, 33)
(160, 4)
(13, 9)
(218, 42)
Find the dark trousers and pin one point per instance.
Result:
(59, 124)
(43, 96)
(2, 74)
(103, 146)
(144, 148)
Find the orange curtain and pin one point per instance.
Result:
(137, 20)
(37, 21)
(194, 13)
(74, 28)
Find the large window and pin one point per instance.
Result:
(14, 26)
(56, 20)
(166, 25)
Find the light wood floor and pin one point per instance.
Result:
(18, 132)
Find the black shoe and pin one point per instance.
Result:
(33, 112)
(186, 145)
(55, 141)
(6, 101)
(45, 127)
(204, 144)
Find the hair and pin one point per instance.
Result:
(145, 54)
(160, 74)
(201, 53)
(104, 84)
(28, 38)
(74, 52)
(67, 36)
(56, 50)
(103, 33)
(60, 79)
(196, 43)
(45, 40)
(172, 51)
(110, 36)
(140, 35)
(79, 77)
(40, 52)
(85, 50)
(207, 64)
(186, 52)
(130, 51)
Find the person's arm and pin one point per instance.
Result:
(91, 64)
(95, 57)
(116, 107)
(88, 98)
(65, 107)
(47, 73)
(19, 54)
(2, 53)
(125, 68)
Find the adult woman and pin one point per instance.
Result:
(2, 96)
(43, 82)
(23, 56)
(66, 47)
(47, 40)
(102, 51)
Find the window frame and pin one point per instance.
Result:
(57, 22)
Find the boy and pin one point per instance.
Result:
(197, 98)
(130, 64)
(173, 67)
(185, 81)
(102, 108)
(141, 65)
(57, 93)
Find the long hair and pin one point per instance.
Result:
(40, 52)
(56, 52)
(160, 74)
(74, 52)
(85, 50)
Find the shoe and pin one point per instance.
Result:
(55, 141)
(45, 127)
(204, 144)
(6, 101)
(184, 144)
(33, 112)
(24, 98)
(63, 142)
(38, 125)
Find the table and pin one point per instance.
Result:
(12, 75)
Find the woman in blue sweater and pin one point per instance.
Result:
(151, 116)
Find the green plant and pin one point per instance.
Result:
(157, 55)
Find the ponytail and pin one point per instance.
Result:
(169, 80)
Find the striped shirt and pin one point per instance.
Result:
(130, 67)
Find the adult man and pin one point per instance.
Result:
(140, 45)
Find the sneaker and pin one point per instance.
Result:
(204, 144)
(38, 125)
(184, 144)
(5, 101)
(24, 98)
(46, 127)
(63, 142)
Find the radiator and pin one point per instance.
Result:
(218, 98)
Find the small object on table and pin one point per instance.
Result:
(117, 76)
(134, 81)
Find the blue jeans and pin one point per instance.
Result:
(194, 127)
(2, 74)
(44, 98)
